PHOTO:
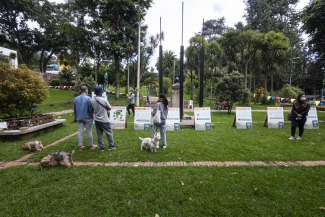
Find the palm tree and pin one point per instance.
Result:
(168, 62)
(274, 52)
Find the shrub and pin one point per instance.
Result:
(55, 82)
(231, 87)
(167, 84)
(19, 90)
(87, 81)
(290, 91)
(65, 77)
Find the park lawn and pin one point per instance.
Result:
(223, 143)
(171, 191)
(62, 99)
(163, 191)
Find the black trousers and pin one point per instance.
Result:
(300, 123)
(130, 106)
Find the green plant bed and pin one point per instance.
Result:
(163, 191)
(12, 150)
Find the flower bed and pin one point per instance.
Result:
(18, 123)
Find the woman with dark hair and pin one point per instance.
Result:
(161, 105)
(299, 111)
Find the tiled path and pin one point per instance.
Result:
(22, 162)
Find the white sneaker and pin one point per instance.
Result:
(291, 138)
(298, 138)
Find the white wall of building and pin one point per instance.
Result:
(5, 52)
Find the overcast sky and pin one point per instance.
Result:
(195, 11)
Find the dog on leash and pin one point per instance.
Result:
(153, 143)
(33, 146)
(58, 158)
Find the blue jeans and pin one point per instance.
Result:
(162, 127)
(81, 125)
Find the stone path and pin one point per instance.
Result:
(22, 161)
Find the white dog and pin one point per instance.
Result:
(153, 143)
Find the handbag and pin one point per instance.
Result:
(156, 118)
(289, 116)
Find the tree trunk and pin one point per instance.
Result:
(265, 83)
(254, 82)
(271, 82)
(117, 81)
(246, 65)
(250, 81)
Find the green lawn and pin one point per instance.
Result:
(223, 143)
(166, 191)
(170, 191)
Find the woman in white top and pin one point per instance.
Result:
(162, 104)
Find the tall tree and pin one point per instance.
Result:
(313, 19)
(213, 29)
(168, 62)
(274, 52)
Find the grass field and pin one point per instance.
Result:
(170, 191)
(63, 100)
(166, 191)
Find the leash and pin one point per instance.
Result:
(69, 134)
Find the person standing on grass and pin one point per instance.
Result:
(299, 111)
(161, 105)
(101, 106)
(148, 97)
(131, 102)
(83, 114)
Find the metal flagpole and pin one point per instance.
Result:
(138, 74)
(181, 73)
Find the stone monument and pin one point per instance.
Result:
(175, 93)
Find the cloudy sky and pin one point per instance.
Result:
(170, 12)
(195, 11)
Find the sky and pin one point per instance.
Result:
(170, 12)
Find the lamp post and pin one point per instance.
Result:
(138, 73)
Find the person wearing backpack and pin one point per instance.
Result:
(162, 107)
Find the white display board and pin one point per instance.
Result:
(103, 95)
(244, 118)
(173, 119)
(312, 119)
(117, 117)
(3, 125)
(202, 118)
(142, 118)
(275, 117)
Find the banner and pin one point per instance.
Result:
(142, 118)
(118, 117)
(312, 119)
(202, 118)
(275, 117)
(244, 118)
(3, 125)
(173, 120)
(103, 95)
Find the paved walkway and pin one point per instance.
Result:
(22, 162)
